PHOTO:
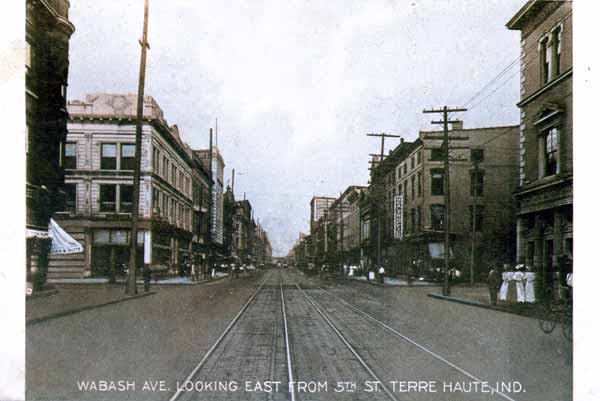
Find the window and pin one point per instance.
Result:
(419, 157)
(437, 154)
(155, 161)
(412, 186)
(174, 175)
(419, 184)
(437, 182)
(405, 191)
(127, 156)
(556, 36)
(413, 220)
(419, 217)
(478, 217)
(70, 160)
(412, 162)
(545, 57)
(405, 168)
(551, 151)
(108, 198)
(165, 168)
(155, 198)
(477, 183)
(126, 200)
(437, 217)
(476, 155)
(108, 156)
(70, 197)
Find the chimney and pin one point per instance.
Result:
(457, 126)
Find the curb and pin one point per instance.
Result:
(84, 308)
(118, 283)
(41, 294)
(480, 305)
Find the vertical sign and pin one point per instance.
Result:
(399, 217)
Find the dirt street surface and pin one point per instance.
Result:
(279, 335)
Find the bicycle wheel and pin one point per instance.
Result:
(567, 330)
(547, 325)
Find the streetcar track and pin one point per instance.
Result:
(396, 333)
(287, 345)
(210, 352)
(348, 345)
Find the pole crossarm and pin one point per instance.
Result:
(445, 109)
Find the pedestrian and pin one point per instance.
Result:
(147, 273)
(381, 274)
(493, 284)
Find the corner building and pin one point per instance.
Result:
(545, 192)
(98, 160)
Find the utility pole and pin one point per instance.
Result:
(446, 152)
(378, 178)
(474, 219)
(131, 287)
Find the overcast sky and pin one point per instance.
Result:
(297, 84)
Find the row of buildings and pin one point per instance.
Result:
(80, 160)
(511, 196)
(184, 213)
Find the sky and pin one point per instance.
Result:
(296, 84)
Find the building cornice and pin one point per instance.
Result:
(545, 88)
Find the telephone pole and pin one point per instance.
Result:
(446, 152)
(378, 178)
(131, 287)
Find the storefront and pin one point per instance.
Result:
(110, 252)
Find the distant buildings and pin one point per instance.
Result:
(48, 31)
(214, 162)
(545, 192)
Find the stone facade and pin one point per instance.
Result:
(98, 160)
(48, 31)
(545, 193)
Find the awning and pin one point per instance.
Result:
(62, 242)
(436, 250)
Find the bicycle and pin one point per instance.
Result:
(557, 312)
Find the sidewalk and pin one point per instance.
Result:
(162, 281)
(69, 299)
(389, 281)
(479, 296)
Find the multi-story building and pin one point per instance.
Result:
(214, 162)
(201, 188)
(48, 31)
(483, 175)
(99, 162)
(345, 217)
(545, 193)
(319, 208)
(262, 246)
(243, 230)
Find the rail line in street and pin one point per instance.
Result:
(378, 323)
(219, 340)
(348, 345)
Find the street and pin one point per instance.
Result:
(279, 335)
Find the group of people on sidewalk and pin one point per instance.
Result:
(502, 281)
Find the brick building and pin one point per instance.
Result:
(412, 201)
(545, 193)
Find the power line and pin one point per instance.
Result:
(512, 63)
